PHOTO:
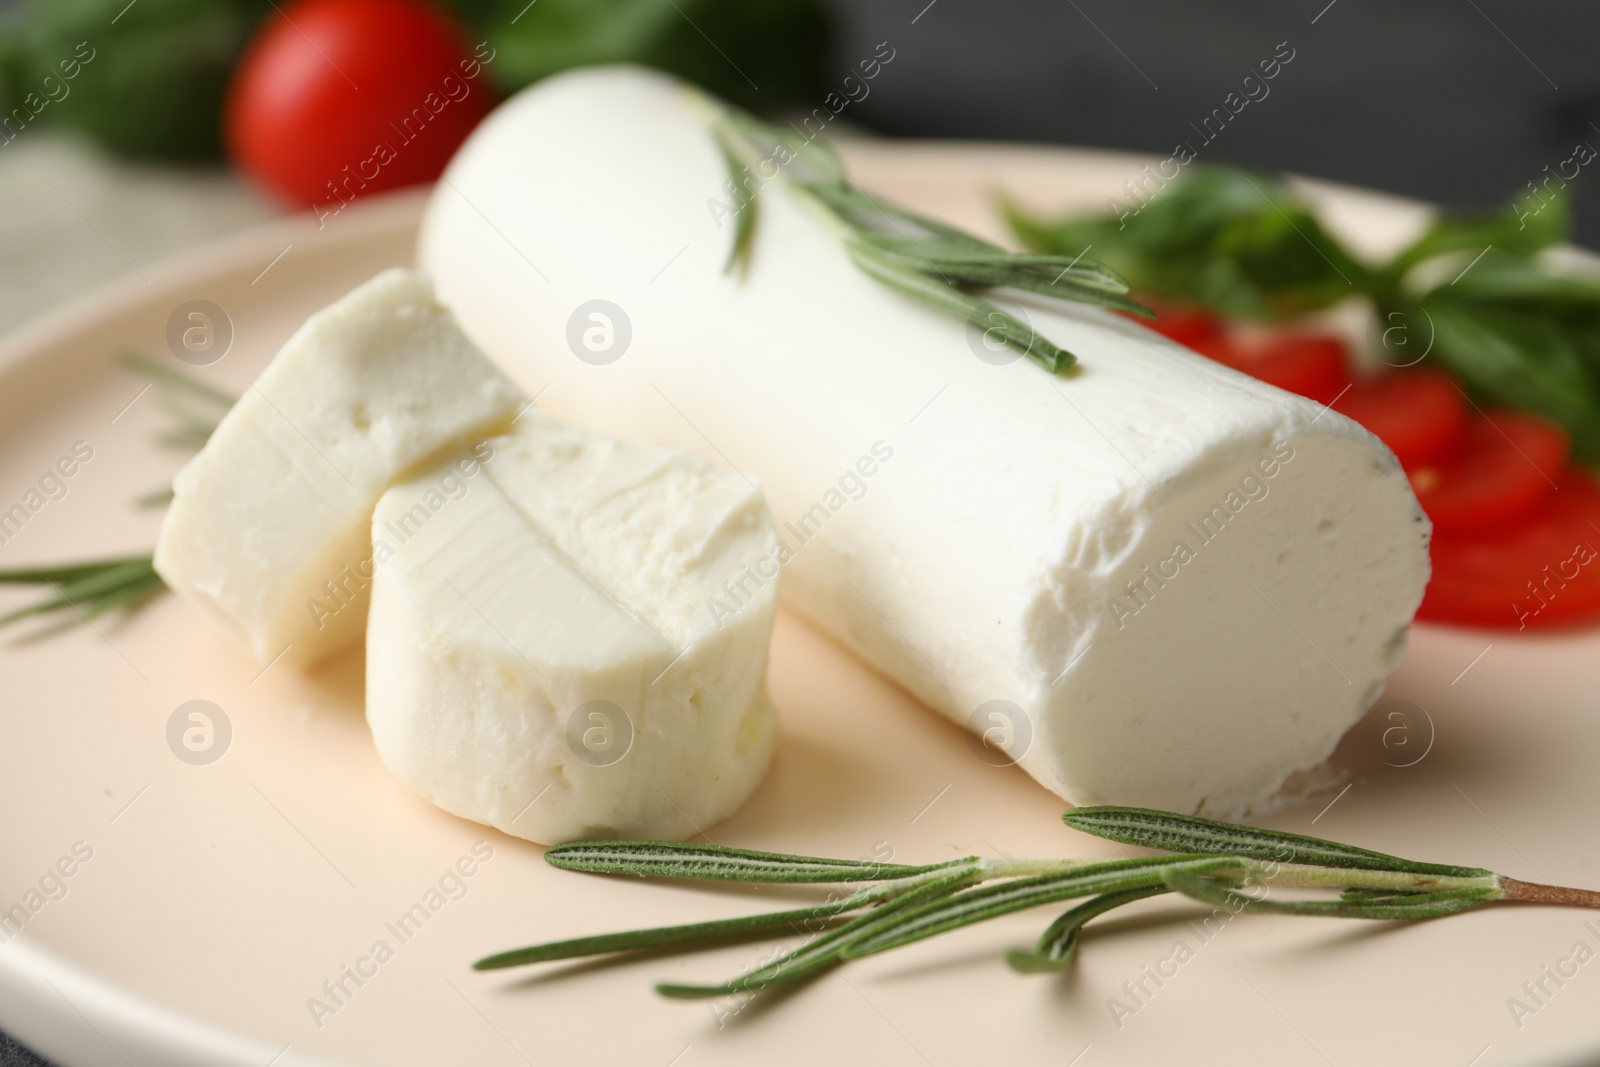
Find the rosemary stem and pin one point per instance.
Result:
(1305, 876)
(1023, 868)
(1537, 893)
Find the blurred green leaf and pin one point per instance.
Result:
(154, 79)
(160, 69)
(1521, 335)
(1518, 227)
(757, 52)
(1518, 329)
(1228, 239)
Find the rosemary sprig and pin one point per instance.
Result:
(194, 406)
(87, 589)
(1210, 862)
(95, 587)
(921, 257)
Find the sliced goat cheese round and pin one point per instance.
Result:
(569, 634)
(1151, 580)
(269, 524)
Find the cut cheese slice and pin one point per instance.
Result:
(569, 636)
(1151, 580)
(269, 524)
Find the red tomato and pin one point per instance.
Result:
(1420, 415)
(335, 98)
(1187, 326)
(1311, 364)
(1542, 571)
(1505, 467)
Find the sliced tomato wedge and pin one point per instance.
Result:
(1315, 365)
(1505, 466)
(1420, 415)
(1541, 572)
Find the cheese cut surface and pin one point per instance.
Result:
(269, 524)
(569, 636)
(1152, 580)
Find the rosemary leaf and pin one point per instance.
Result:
(195, 407)
(827, 949)
(744, 222)
(1058, 945)
(981, 314)
(88, 589)
(956, 256)
(1018, 894)
(154, 498)
(1187, 833)
(164, 375)
(705, 933)
(915, 255)
(66, 572)
(672, 859)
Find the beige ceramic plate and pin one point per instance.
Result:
(207, 904)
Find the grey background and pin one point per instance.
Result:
(1457, 101)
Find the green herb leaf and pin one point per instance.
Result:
(828, 949)
(1017, 894)
(150, 77)
(981, 314)
(910, 904)
(1233, 240)
(1520, 334)
(796, 920)
(1518, 329)
(673, 859)
(1169, 832)
(1058, 945)
(86, 589)
(534, 41)
(915, 255)
(1509, 229)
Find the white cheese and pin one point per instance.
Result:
(569, 636)
(1152, 580)
(269, 524)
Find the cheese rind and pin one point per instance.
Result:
(269, 524)
(991, 536)
(559, 646)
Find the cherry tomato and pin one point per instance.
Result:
(337, 98)
(1543, 571)
(1314, 365)
(1504, 467)
(1420, 415)
(1185, 325)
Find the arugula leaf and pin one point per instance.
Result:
(1506, 229)
(1516, 328)
(1519, 354)
(1229, 239)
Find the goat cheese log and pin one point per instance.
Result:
(269, 524)
(541, 657)
(1151, 580)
